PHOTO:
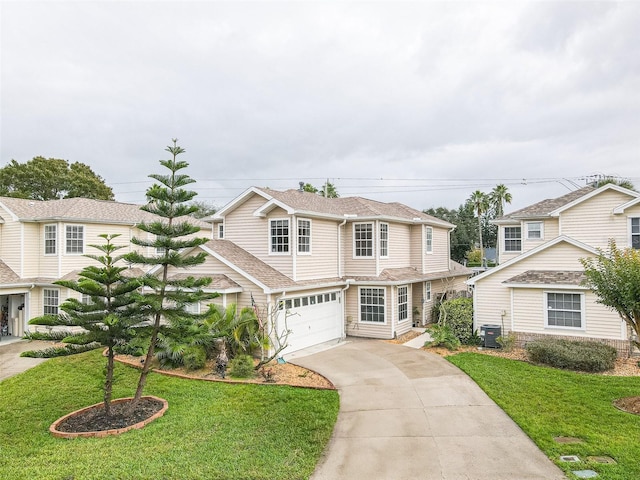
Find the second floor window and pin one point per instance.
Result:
(384, 239)
(512, 239)
(304, 236)
(221, 230)
(428, 239)
(50, 239)
(534, 231)
(363, 239)
(75, 239)
(635, 233)
(279, 236)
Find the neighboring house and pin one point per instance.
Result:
(45, 241)
(536, 289)
(325, 268)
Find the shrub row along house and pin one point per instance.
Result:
(321, 268)
(537, 288)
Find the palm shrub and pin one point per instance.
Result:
(164, 299)
(442, 335)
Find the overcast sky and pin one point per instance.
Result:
(417, 102)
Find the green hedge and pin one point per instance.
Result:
(572, 355)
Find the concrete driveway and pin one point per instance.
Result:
(11, 363)
(409, 414)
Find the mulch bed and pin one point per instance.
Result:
(94, 420)
(629, 404)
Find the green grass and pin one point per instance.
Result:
(548, 403)
(211, 430)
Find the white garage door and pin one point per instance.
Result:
(312, 319)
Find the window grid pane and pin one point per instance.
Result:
(279, 236)
(50, 237)
(372, 305)
(50, 302)
(564, 310)
(403, 312)
(304, 236)
(363, 233)
(384, 240)
(429, 239)
(635, 233)
(534, 230)
(75, 239)
(512, 240)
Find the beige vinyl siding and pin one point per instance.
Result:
(529, 315)
(322, 262)
(32, 253)
(399, 246)
(405, 325)
(248, 232)
(593, 221)
(415, 247)
(492, 297)
(11, 244)
(363, 266)
(438, 260)
(355, 327)
(70, 262)
(628, 213)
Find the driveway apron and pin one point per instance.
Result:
(11, 363)
(409, 414)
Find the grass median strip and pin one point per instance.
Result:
(548, 403)
(211, 430)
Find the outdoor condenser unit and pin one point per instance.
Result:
(490, 334)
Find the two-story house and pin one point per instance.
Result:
(45, 241)
(537, 289)
(325, 268)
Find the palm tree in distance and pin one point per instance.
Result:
(480, 201)
(498, 197)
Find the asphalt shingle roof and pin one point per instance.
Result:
(545, 207)
(548, 277)
(83, 210)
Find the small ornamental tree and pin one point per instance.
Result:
(164, 300)
(614, 276)
(109, 314)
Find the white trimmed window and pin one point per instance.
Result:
(86, 299)
(384, 239)
(428, 239)
(363, 239)
(50, 239)
(279, 236)
(512, 239)
(372, 305)
(75, 239)
(193, 308)
(564, 310)
(534, 230)
(50, 301)
(427, 291)
(304, 236)
(635, 232)
(403, 303)
(221, 230)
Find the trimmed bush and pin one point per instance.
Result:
(194, 357)
(241, 366)
(442, 336)
(572, 355)
(458, 314)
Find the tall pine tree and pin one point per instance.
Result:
(164, 300)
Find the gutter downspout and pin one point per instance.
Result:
(344, 307)
(340, 250)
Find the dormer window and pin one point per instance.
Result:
(279, 236)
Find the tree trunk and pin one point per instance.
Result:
(480, 236)
(108, 382)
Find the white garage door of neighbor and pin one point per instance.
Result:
(312, 319)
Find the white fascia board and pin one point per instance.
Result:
(270, 205)
(597, 191)
(546, 286)
(534, 251)
(239, 200)
(14, 217)
(620, 209)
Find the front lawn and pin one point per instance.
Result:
(549, 403)
(211, 430)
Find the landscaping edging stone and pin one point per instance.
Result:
(104, 433)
